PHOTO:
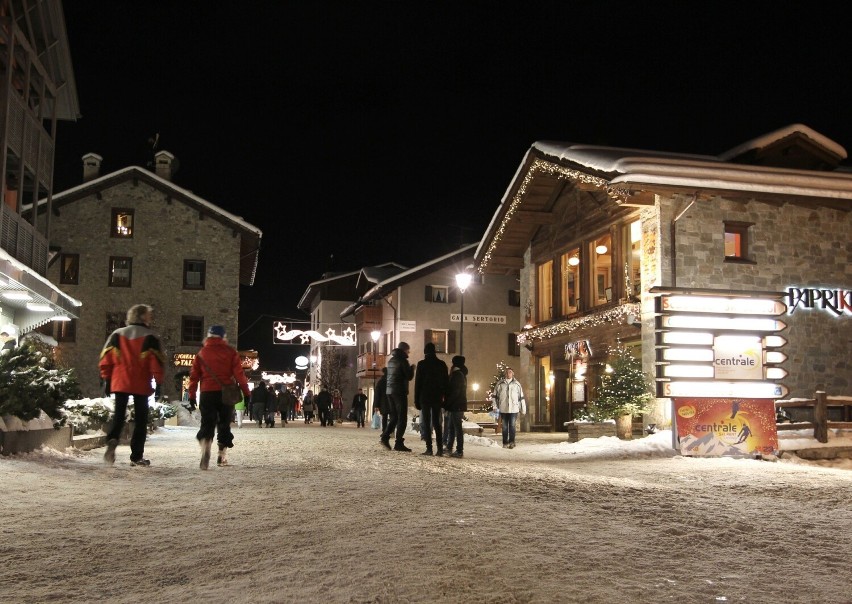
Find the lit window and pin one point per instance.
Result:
(120, 271)
(194, 273)
(570, 294)
(438, 293)
(736, 240)
(601, 254)
(544, 297)
(122, 223)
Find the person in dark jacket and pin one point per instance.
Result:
(323, 403)
(359, 406)
(400, 372)
(381, 397)
(217, 363)
(129, 360)
(259, 401)
(430, 386)
(456, 403)
(272, 406)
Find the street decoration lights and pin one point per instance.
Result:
(462, 281)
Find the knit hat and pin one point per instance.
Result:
(404, 346)
(217, 331)
(458, 361)
(429, 348)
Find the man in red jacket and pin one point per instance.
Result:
(130, 359)
(216, 364)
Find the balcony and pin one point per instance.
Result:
(368, 318)
(365, 368)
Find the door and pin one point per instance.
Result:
(561, 398)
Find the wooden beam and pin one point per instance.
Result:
(514, 262)
(529, 217)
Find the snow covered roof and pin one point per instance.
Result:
(406, 276)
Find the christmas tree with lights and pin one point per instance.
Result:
(624, 389)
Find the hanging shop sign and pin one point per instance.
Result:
(183, 359)
(578, 348)
(725, 426)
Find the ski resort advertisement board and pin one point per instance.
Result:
(715, 427)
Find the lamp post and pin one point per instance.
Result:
(375, 334)
(462, 281)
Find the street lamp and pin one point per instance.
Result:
(375, 334)
(462, 281)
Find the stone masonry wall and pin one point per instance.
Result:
(166, 232)
(791, 246)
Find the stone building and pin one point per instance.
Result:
(597, 234)
(133, 236)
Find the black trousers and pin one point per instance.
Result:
(431, 418)
(215, 417)
(140, 426)
(398, 417)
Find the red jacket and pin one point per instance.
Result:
(130, 358)
(223, 360)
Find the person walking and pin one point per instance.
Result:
(308, 406)
(259, 401)
(323, 403)
(359, 406)
(430, 387)
(380, 401)
(239, 410)
(271, 406)
(400, 372)
(456, 403)
(336, 406)
(130, 359)
(509, 399)
(216, 364)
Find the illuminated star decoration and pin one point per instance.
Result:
(282, 334)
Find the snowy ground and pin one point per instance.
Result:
(312, 514)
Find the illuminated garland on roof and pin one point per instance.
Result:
(617, 315)
(546, 167)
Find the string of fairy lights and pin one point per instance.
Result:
(545, 167)
(612, 316)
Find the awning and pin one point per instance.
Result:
(28, 300)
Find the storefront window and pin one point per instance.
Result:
(570, 272)
(633, 265)
(544, 308)
(543, 395)
(601, 254)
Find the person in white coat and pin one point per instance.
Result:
(509, 400)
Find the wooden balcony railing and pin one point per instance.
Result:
(370, 365)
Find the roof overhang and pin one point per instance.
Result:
(17, 278)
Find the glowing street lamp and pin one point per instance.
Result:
(462, 281)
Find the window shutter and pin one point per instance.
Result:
(451, 341)
(427, 336)
(451, 295)
(514, 297)
(428, 293)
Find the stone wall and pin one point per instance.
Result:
(166, 232)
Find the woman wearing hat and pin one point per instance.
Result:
(216, 364)
(456, 404)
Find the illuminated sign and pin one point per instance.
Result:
(183, 359)
(721, 323)
(720, 305)
(836, 301)
(724, 389)
(725, 426)
(580, 348)
(737, 358)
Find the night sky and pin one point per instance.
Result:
(357, 133)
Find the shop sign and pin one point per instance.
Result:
(725, 426)
(836, 301)
(737, 358)
(183, 359)
(470, 318)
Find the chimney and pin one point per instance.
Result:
(163, 161)
(91, 166)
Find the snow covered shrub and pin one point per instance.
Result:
(32, 383)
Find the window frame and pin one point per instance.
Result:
(115, 230)
(111, 282)
(742, 230)
(69, 263)
(187, 329)
(203, 272)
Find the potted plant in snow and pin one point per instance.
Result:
(625, 391)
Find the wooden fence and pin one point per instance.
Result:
(820, 404)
